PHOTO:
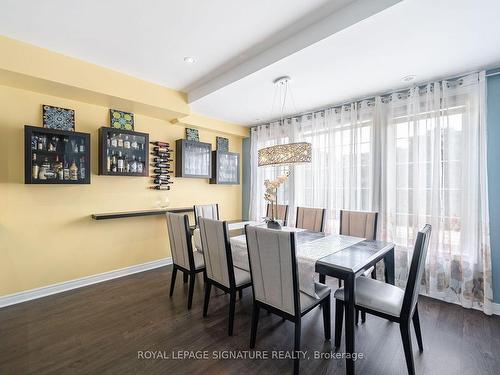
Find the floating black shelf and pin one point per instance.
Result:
(119, 215)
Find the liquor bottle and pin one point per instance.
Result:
(161, 171)
(160, 187)
(82, 168)
(114, 141)
(108, 140)
(34, 142)
(43, 169)
(120, 162)
(127, 165)
(73, 171)
(108, 161)
(133, 165)
(160, 144)
(114, 166)
(134, 143)
(58, 168)
(161, 165)
(66, 171)
(140, 165)
(162, 177)
(34, 168)
(41, 142)
(82, 146)
(120, 141)
(126, 142)
(161, 182)
(166, 157)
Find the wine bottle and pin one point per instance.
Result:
(161, 171)
(161, 149)
(160, 160)
(162, 177)
(160, 144)
(73, 171)
(162, 182)
(120, 162)
(160, 187)
(161, 165)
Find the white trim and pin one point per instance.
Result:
(27, 295)
(496, 308)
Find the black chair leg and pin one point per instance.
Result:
(418, 333)
(327, 321)
(340, 283)
(186, 275)
(208, 288)
(339, 318)
(357, 316)
(404, 327)
(232, 303)
(255, 322)
(374, 272)
(172, 281)
(192, 278)
(322, 278)
(240, 293)
(363, 317)
(296, 348)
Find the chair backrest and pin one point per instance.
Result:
(416, 270)
(282, 212)
(273, 267)
(311, 219)
(180, 240)
(359, 224)
(209, 211)
(217, 251)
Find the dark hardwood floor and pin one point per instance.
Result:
(100, 329)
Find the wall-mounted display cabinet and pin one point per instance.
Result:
(193, 159)
(54, 156)
(123, 152)
(225, 168)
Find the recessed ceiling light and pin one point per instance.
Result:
(189, 59)
(409, 78)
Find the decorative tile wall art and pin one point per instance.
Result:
(222, 144)
(58, 118)
(121, 120)
(192, 135)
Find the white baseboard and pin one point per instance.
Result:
(12, 299)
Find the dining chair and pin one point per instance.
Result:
(184, 259)
(361, 224)
(220, 270)
(209, 211)
(282, 212)
(275, 283)
(390, 302)
(312, 219)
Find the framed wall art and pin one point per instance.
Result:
(58, 118)
(121, 120)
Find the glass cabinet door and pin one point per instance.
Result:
(193, 159)
(123, 152)
(226, 168)
(56, 156)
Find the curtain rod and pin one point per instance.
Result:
(311, 112)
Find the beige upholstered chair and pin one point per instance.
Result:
(282, 213)
(312, 219)
(219, 265)
(209, 211)
(275, 283)
(389, 302)
(184, 258)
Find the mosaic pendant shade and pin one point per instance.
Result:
(291, 153)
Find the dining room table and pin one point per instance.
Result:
(343, 257)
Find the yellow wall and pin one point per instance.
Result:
(46, 233)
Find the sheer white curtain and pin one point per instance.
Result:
(416, 157)
(434, 159)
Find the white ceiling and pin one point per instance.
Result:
(241, 46)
